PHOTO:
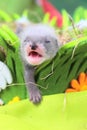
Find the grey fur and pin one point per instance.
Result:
(37, 35)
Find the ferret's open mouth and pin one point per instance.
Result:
(34, 54)
(35, 58)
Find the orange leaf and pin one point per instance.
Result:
(70, 90)
(86, 80)
(75, 85)
(82, 78)
(83, 88)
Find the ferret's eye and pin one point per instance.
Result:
(26, 40)
(47, 41)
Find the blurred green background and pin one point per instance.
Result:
(69, 5)
(17, 6)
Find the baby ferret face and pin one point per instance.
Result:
(37, 49)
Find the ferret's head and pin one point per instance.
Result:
(38, 44)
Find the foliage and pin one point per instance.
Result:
(53, 76)
(64, 67)
(10, 42)
(79, 14)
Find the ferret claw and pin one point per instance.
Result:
(35, 96)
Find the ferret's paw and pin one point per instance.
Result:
(35, 96)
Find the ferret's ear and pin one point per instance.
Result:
(58, 42)
(21, 23)
(19, 30)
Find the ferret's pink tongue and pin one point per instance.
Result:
(34, 58)
(34, 54)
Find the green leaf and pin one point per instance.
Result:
(10, 36)
(79, 14)
(66, 21)
(66, 66)
(5, 16)
(46, 18)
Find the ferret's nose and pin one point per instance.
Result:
(33, 47)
